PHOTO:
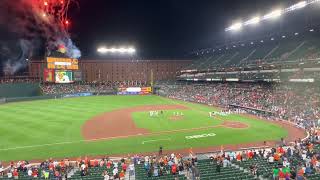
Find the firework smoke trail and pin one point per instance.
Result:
(18, 60)
(32, 20)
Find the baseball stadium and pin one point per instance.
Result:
(245, 106)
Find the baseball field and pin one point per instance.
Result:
(118, 125)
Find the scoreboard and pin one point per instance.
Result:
(134, 90)
(62, 63)
(62, 70)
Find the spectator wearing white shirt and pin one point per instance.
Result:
(9, 174)
(115, 172)
(131, 169)
(1, 170)
(106, 175)
(115, 164)
(83, 167)
(30, 172)
(271, 159)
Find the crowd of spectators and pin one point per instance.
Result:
(161, 165)
(296, 102)
(76, 87)
(113, 169)
(107, 87)
(297, 161)
(18, 80)
(52, 89)
(46, 169)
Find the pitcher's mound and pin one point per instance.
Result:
(176, 118)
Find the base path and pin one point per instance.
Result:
(119, 123)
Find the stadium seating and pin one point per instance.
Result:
(208, 172)
(290, 48)
(24, 175)
(264, 167)
(142, 174)
(96, 172)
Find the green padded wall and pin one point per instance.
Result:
(19, 90)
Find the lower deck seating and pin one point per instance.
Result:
(141, 174)
(208, 172)
(95, 173)
(264, 167)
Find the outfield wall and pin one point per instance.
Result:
(31, 98)
(55, 96)
(11, 90)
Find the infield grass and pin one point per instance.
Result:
(52, 128)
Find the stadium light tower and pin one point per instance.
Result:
(255, 20)
(234, 27)
(299, 5)
(273, 14)
(121, 50)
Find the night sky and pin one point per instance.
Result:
(159, 29)
(169, 28)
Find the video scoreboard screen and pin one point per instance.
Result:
(134, 90)
(63, 76)
(62, 63)
(62, 70)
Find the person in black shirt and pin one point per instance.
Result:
(218, 168)
(160, 151)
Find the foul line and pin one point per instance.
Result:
(115, 137)
(109, 138)
(155, 140)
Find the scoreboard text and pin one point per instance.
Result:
(62, 63)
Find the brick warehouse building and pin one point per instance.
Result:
(119, 70)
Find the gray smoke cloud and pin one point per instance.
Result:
(26, 21)
(18, 59)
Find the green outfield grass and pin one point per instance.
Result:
(28, 129)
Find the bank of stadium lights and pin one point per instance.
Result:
(235, 27)
(272, 15)
(255, 20)
(104, 50)
(299, 5)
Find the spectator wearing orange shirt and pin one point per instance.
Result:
(239, 158)
(15, 174)
(174, 169)
(250, 154)
(300, 175)
(122, 175)
(276, 157)
(62, 163)
(92, 164)
(35, 173)
(280, 150)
